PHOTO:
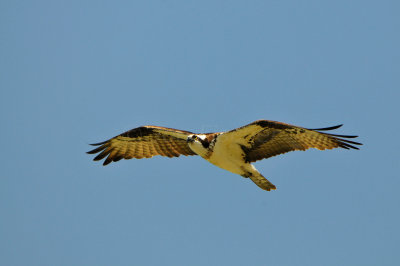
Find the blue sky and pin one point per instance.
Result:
(78, 72)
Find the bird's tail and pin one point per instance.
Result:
(262, 182)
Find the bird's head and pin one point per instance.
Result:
(194, 138)
(198, 143)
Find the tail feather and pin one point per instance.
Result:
(262, 182)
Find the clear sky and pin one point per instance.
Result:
(79, 72)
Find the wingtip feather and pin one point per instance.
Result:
(98, 144)
(328, 128)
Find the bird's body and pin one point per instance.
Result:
(232, 150)
(229, 155)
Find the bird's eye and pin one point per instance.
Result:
(195, 137)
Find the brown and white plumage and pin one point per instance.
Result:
(232, 150)
(144, 142)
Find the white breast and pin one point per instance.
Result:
(228, 156)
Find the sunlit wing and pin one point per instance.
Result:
(263, 139)
(143, 142)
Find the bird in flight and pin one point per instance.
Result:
(232, 150)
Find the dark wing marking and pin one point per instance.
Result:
(264, 139)
(143, 142)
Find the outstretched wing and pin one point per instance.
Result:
(263, 139)
(143, 142)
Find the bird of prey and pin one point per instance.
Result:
(233, 150)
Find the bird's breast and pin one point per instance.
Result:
(228, 156)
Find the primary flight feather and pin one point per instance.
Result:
(233, 150)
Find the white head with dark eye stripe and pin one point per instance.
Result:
(198, 143)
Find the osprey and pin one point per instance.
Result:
(233, 150)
